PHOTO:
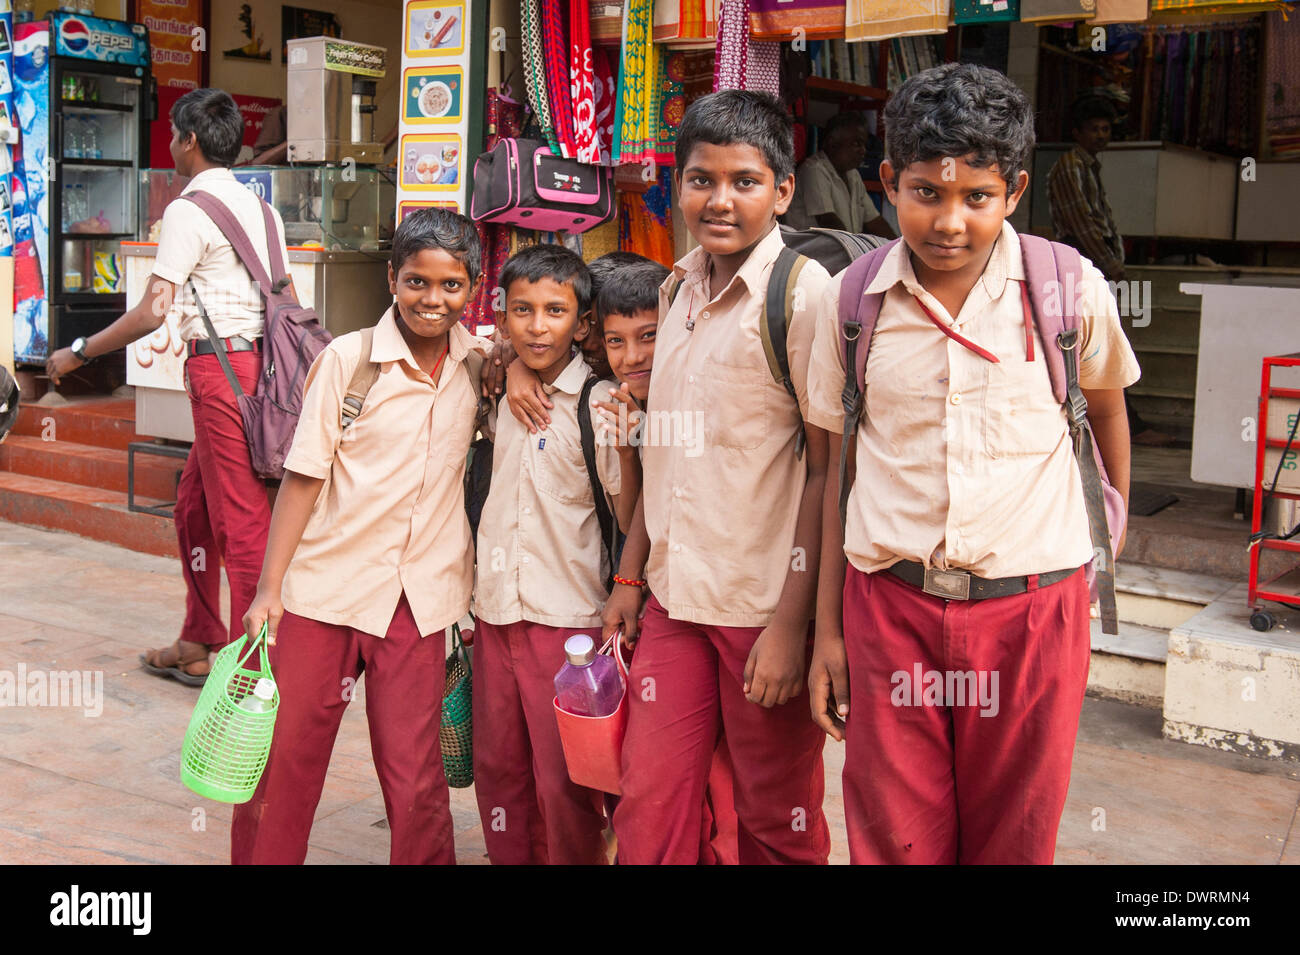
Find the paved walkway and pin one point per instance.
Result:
(77, 788)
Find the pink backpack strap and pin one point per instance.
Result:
(1054, 274)
(274, 253)
(858, 312)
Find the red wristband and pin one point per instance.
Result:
(628, 582)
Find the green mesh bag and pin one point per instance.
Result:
(457, 731)
(226, 745)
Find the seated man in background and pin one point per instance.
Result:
(828, 188)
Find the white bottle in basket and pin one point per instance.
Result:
(259, 701)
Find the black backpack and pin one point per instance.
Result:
(833, 249)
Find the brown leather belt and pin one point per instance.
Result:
(202, 346)
(963, 585)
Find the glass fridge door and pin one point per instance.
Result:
(98, 129)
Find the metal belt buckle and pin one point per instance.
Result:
(948, 584)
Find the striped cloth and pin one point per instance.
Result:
(530, 21)
(582, 83)
(555, 51)
(885, 19)
(635, 121)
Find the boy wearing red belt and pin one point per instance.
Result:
(963, 630)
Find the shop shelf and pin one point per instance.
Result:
(77, 106)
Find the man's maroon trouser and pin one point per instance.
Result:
(222, 514)
(532, 813)
(686, 684)
(978, 775)
(316, 666)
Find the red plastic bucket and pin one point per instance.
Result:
(593, 745)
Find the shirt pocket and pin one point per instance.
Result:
(560, 471)
(458, 422)
(1021, 415)
(736, 407)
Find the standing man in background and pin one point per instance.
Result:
(1082, 218)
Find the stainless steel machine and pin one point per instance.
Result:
(331, 100)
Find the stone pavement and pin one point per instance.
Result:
(84, 788)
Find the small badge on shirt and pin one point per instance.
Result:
(541, 444)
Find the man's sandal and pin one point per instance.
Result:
(167, 662)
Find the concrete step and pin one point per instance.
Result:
(1162, 598)
(1232, 688)
(99, 422)
(96, 513)
(1129, 666)
(90, 466)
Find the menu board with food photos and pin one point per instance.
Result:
(432, 167)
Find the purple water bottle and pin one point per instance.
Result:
(589, 684)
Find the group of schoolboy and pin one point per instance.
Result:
(737, 584)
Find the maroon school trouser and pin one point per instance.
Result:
(316, 666)
(978, 777)
(685, 685)
(222, 514)
(532, 813)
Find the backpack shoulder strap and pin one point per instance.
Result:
(604, 516)
(857, 320)
(1054, 274)
(364, 377)
(778, 308)
(225, 220)
(274, 252)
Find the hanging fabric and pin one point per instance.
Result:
(634, 139)
(686, 24)
(740, 63)
(1057, 11)
(605, 94)
(534, 66)
(781, 20)
(583, 84)
(645, 221)
(607, 22)
(504, 120)
(684, 76)
(985, 11)
(885, 19)
(559, 91)
(1120, 11)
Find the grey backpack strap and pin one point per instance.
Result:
(364, 377)
(218, 347)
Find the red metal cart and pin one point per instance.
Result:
(1279, 441)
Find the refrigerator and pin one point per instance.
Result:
(84, 98)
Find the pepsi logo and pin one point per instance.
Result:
(75, 35)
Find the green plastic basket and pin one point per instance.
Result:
(456, 734)
(226, 746)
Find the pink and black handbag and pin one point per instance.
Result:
(520, 182)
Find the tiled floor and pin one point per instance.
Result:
(78, 789)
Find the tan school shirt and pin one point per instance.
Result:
(391, 516)
(722, 484)
(191, 246)
(963, 463)
(540, 557)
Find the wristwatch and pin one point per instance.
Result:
(78, 348)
